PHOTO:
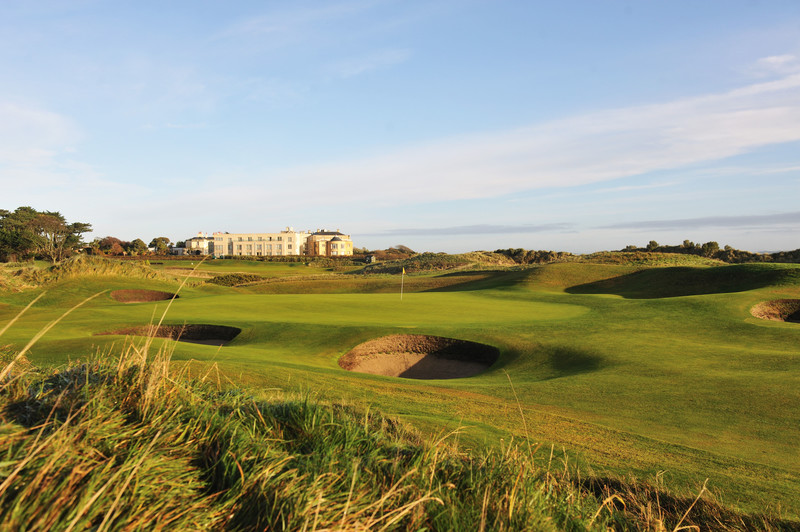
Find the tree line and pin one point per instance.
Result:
(110, 245)
(27, 234)
(712, 250)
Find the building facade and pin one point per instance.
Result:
(322, 243)
(202, 244)
(285, 243)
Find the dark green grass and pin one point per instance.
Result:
(686, 281)
(690, 385)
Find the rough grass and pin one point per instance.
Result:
(89, 266)
(426, 262)
(235, 279)
(648, 258)
(126, 445)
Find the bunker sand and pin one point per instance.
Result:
(778, 310)
(141, 296)
(197, 334)
(416, 356)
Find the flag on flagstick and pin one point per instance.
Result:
(402, 278)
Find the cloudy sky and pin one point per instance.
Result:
(441, 125)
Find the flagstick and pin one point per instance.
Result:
(402, 279)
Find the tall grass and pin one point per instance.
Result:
(128, 446)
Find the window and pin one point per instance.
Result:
(280, 238)
(288, 246)
(239, 239)
(249, 238)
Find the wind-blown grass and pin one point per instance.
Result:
(125, 446)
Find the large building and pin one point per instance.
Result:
(322, 243)
(202, 244)
(287, 242)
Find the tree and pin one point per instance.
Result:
(16, 238)
(710, 249)
(161, 244)
(136, 247)
(652, 245)
(27, 233)
(112, 246)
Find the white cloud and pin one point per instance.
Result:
(30, 136)
(778, 64)
(381, 59)
(293, 24)
(592, 148)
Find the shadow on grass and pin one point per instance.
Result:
(566, 361)
(547, 362)
(687, 281)
(491, 279)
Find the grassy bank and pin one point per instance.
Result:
(126, 444)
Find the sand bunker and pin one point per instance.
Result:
(778, 310)
(416, 356)
(196, 334)
(140, 296)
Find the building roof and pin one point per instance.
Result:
(327, 233)
(336, 239)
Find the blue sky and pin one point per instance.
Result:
(440, 125)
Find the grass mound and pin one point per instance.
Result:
(778, 310)
(90, 266)
(685, 281)
(648, 258)
(417, 356)
(429, 262)
(141, 296)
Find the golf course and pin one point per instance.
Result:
(629, 372)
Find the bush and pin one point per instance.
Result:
(235, 279)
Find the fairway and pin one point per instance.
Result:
(628, 381)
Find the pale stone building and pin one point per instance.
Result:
(202, 244)
(286, 243)
(322, 243)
